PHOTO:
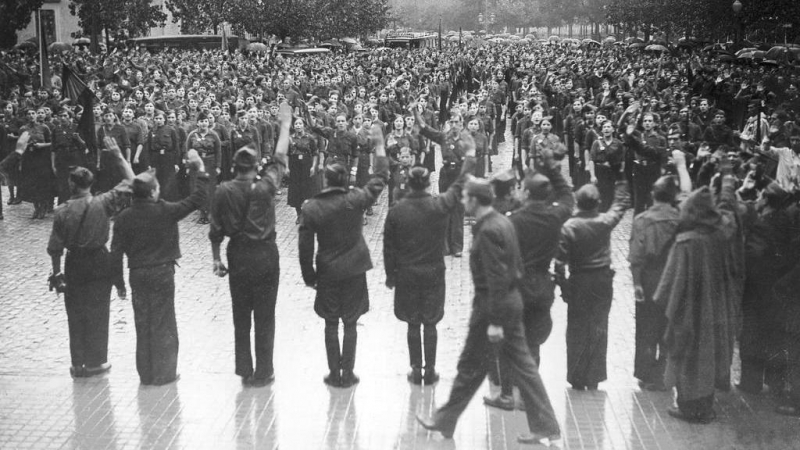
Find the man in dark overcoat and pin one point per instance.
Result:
(413, 253)
(334, 218)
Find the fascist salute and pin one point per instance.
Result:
(334, 217)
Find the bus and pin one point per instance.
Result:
(186, 42)
(411, 40)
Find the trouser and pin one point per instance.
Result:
(211, 169)
(153, 294)
(650, 357)
(254, 277)
(343, 360)
(644, 176)
(537, 294)
(88, 305)
(589, 301)
(415, 345)
(474, 362)
(454, 233)
(606, 179)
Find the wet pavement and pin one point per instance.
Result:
(42, 407)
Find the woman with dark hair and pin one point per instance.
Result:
(68, 151)
(481, 145)
(605, 161)
(397, 139)
(303, 162)
(37, 183)
(208, 146)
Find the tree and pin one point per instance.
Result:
(14, 16)
(200, 16)
(135, 17)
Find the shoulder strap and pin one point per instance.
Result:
(71, 243)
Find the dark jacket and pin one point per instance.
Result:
(148, 231)
(335, 217)
(586, 237)
(413, 235)
(496, 266)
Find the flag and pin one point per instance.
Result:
(76, 90)
(224, 40)
(44, 62)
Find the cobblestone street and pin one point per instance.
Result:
(42, 407)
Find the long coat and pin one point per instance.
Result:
(701, 287)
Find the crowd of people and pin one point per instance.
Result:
(706, 152)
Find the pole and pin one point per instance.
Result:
(440, 33)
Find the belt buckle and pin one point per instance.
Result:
(161, 151)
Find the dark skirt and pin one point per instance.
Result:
(589, 300)
(37, 182)
(419, 303)
(302, 185)
(345, 299)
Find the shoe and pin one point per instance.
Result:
(749, 388)
(579, 387)
(788, 410)
(297, 221)
(430, 425)
(1, 217)
(591, 387)
(431, 376)
(349, 379)
(10, 201)
(692, 418)
(370, 211)
(333, 379)
(165, 382)
(365, 220)
(15, 201)
(203, 221)
(536, 438)
(504, 402)
(657, 386)
(258, 382)
(101, 369)
(521, 405)
(457, 254)
(415, 376)
(77, 372)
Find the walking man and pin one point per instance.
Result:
(243, 209)
(496, 267)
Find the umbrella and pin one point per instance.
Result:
(656, 48)
(524, 41)
(777, 52)
(714, 47)
(530, 36)
(452, 32)
(752, 54)
(724, 57)
(745, 50)
(348, 40)
(26, 45)
(769, 62)
(634, 40)
(258, 47)
(554, 38)
(514, 37)
(590, 42)
(59, 47)
(81, 41)
(610, 40)
(453, 38)
(638, 45)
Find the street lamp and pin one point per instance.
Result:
(737, 9)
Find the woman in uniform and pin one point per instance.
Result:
(303, 162)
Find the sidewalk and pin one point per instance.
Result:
(42, 407)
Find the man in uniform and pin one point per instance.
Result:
(244, 210)
(81, 227)
(147, 233)
(334, 218)
(496, 267)
(548, 204)
(413, 253)
(650, 151)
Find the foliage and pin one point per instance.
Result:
(15, 15)
(199, 16)
(135, 17)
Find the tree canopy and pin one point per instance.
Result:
(14, 16)
(135, 17)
